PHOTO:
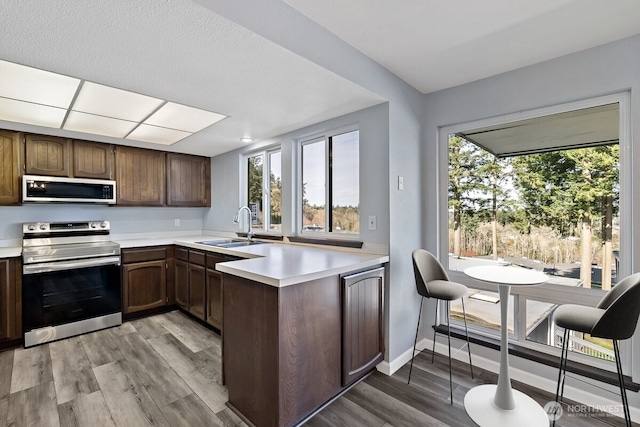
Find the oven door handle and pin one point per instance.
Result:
(69, 265)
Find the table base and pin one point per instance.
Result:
(478, 403)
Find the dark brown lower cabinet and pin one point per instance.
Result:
(10, 299)
(363, 325)
(181, 282)
(197, 291)
(214, 292)
(283, 349)
(144, 278)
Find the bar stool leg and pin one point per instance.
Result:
(466, 331)
(435, 324)
(449, 344)
(562, 367)
(623, 391)
(415, 341)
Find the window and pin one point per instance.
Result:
(264, 188)
(330, 178)
(548, 192)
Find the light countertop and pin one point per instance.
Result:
(275, 264)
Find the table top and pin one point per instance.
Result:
(506, 275)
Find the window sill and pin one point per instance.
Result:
(329, 242)
(574, 367)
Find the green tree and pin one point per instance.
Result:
(563, 189)
(254, 184)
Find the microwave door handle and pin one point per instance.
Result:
(69, 265)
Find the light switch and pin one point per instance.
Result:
(400, 182)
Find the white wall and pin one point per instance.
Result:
(123, 219)
(612, 68)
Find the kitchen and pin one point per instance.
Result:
(182, 43)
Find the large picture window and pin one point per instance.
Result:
(544, 193)
(330, 185)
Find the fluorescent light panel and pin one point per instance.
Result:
(36, 86)
(157, 134)
(182, 117)
(37, 97)
(99, 125)
(31, 114)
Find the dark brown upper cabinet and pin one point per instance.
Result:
(140, 177)
(188, 180)
(10, 167)
(92, 160)
(47, 155)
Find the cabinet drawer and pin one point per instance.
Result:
(182, 254)
(143, 254)
(196, 258)
(213, 259)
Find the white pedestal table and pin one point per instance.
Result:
(499, 405)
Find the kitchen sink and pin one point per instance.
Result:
(231, 243)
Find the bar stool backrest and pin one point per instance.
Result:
(426, 268)
(622, 309)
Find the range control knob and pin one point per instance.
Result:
(93, 225)
(43, 226)
(103, 224)
(31, 227)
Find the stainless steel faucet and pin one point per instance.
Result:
(236, 220)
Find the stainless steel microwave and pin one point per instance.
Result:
(51, 189)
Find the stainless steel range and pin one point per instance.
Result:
(71, 280)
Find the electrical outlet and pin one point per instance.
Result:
(176, 222)
(373, 222)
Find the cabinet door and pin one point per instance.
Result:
(144, 285)
(362, 336)
(188, 180)
(181, 269)
(140, 177)
(47, 155)
(10, 167)
(197, 291)
(92, 160)
(8, 327)
(214, 298)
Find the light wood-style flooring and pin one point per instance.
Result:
(165, 370)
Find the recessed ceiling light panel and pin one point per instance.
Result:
(157, 135)
(182, 117)
(31, 114)
(99, 125)
(117, 103)
(37, 86)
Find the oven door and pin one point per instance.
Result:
(69, 298)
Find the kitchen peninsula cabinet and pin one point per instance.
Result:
(145, 273)
(295, 337)
(10, 299)
(10, 167)
(47, 155)
(140, 176)
(363, 326)
(93, 160)
(188, 180)
(214, 290)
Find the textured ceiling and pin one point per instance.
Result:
(436, 44)
(178, 51)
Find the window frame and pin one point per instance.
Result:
(549, 292)
(310, 139)
(266, 183)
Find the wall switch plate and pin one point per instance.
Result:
(400, 182)
(373, 222)
(176, 222)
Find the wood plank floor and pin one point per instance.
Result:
(165, 371)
